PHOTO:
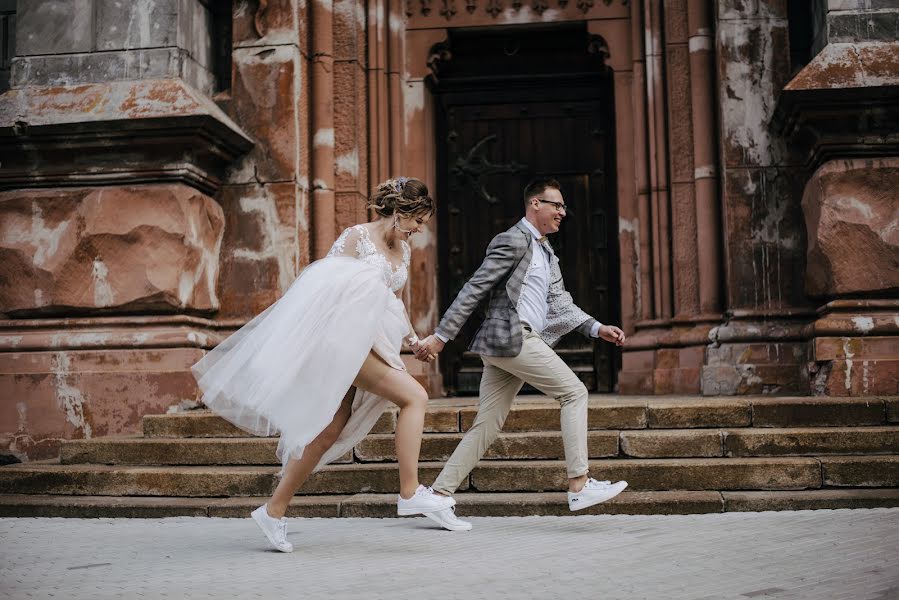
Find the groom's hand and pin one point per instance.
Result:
(610, 333)
(429, 348)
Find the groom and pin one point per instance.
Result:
(528, 312)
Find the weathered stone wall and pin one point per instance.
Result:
(839, 114)
(148, 209)
(265, 196)
(759, 349)
(111, 250)
(112, 150)
(64, 42)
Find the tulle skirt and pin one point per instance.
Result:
(287, 371)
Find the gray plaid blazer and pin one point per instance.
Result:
(501, 276)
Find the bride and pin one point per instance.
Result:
(320, 365)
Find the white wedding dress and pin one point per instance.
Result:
(287, 371)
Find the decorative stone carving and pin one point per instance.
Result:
(469, 170)
(448, 10)
(495, 7)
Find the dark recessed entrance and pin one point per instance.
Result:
(513, 104)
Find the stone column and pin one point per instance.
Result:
(759, 349)
(840, 112)
(666, 354)
(112, 152)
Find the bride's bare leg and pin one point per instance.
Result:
(296, 472)
(400, 388)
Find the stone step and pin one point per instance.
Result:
(176, 451)
(538, 413)
(470, 504)
(781, 473)
(751, 441)
(649, 443)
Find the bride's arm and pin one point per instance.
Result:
(410, 338)
(347, 244)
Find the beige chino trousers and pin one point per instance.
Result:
(538, 365)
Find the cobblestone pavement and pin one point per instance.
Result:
(819, 555)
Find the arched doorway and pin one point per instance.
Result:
(512, 104)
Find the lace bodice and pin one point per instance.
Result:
(355, 241)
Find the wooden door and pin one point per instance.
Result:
(491, 147)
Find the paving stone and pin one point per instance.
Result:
(548, 503)
(804, 555)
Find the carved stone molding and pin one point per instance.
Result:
(122, 132)
(440, 53)
(448, 10)
(597, 46)
(495, 7)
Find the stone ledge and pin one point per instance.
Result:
(86, 135)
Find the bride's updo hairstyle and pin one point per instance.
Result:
(402, 197)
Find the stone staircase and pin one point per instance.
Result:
(679, 454)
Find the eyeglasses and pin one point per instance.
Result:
(559, 206)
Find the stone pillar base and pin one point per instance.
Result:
(852, 349)
(664, 360)
(82, 378)
(757, 353)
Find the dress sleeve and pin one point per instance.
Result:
(348, 244)
(407, 254)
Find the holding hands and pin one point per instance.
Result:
(428, 348)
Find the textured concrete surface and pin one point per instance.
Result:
(790, 555)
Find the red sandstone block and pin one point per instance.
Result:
(635, 382)
(265, 94)
(643, 360)
(677, 381)
(860, 378)
(855, 348)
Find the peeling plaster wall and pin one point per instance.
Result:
(765, 245)
(266, 196)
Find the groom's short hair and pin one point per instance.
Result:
(537, 186)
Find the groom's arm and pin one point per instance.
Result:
(503, 254)
(566, 311)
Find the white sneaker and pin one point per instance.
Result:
(424, 501)
(447, 519)
(594, 492)
(274, 529)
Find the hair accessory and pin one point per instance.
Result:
(400, 182)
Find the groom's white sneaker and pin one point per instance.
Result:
(594, 492)
(274, 529)
(447, 519)
(423, 502)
